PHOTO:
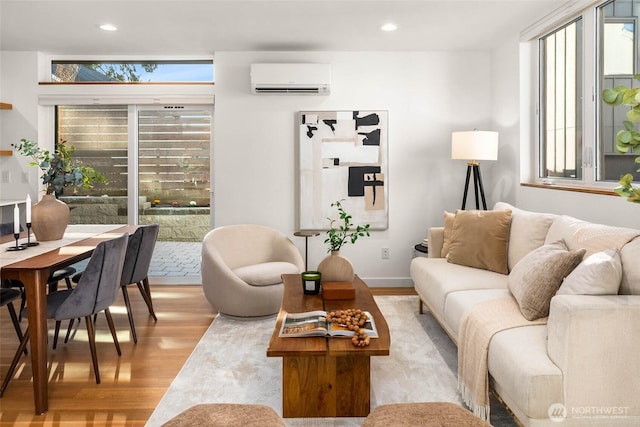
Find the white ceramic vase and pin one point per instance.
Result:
(336, 268)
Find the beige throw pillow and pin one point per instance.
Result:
(480, 239)
(448, 228)
(537, 276)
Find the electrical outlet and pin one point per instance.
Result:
(385, 253)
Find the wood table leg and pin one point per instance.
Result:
(35, 287)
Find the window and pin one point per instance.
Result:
(561, 97)
(586, 51)
(618, 56)
(132, 71)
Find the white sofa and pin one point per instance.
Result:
(587, 356)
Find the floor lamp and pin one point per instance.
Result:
(473, 146)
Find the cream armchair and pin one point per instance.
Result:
(242, 267)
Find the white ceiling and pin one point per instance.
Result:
(202, 27)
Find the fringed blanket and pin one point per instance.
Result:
(478, 326)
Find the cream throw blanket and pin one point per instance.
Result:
(478, 326)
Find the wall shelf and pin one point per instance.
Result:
(5, 106)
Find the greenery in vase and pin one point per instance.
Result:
(59, 169)
(629, 137)
(340, 235)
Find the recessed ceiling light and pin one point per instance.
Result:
(108, 27)
(389, 27)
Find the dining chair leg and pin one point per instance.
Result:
(16, 323)
(127, 303)
(92, 345)
(56, 333)
(113, 330)
(14, 363)
(23, 303)
(71, 322)
(146, 295)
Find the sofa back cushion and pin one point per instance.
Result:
(578, 234)
(528, 231)
(630, 258)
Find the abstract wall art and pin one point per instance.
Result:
(343, 156)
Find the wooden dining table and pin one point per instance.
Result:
(32, 267)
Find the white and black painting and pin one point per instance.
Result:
(343, 156)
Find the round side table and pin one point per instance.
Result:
(306, 234)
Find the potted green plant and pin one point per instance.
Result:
(50, 216)
(339, 235)
(627, 138)
(336, 268)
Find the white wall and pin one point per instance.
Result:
(428, 95)
(19, 87)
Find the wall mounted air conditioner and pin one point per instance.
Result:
(296, 79)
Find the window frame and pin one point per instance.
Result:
(588, 11)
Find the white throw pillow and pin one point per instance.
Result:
(598, 274)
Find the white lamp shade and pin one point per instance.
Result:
(474, 145)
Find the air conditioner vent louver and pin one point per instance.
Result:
(313, 90)
(291, 79)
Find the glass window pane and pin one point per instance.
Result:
(174, 165)
(618, 48)
(618, 54)
(99, 134)
(561, 116)
(130, 71)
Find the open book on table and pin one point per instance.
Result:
(314, 323)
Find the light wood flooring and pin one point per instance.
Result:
(132, 384)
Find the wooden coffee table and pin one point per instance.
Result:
(326, 377)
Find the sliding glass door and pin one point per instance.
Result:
(167, 181)
(174, 183)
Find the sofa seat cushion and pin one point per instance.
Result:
(457, 303)
(435, 278)
(266, 273)
(521, 369)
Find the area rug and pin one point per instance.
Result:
(229, 365)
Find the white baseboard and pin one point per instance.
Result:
(181, 280)
(388, 282)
